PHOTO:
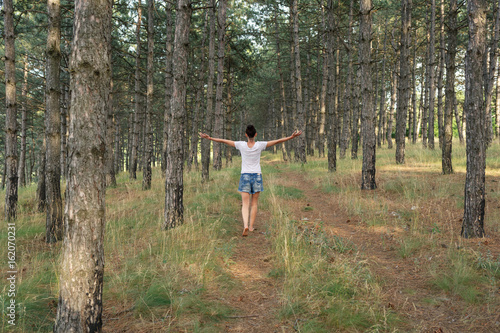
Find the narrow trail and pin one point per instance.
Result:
(404, 282)
(256, 294)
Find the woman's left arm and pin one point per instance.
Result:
(227, 142)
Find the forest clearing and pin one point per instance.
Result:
(325, 256)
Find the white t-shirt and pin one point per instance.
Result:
(250, 157)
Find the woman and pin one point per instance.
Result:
(251, 175)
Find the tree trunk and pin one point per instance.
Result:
(198, 113)
(393, 105)
(404, 82)
(11, 113)
(219, 115)
(332, 121)
(474, 196)
(54, 214)
(367, 113)
(432, 87)
(440, 77)
(300, 151)
(117, 159)
(209, 114)
(174, 188)
(355, 117)
(110, 143)
(490, 74)
(497, 105)
(450, 89)
(283, 119)
(381, 111)
(41, 196)
(147, 173)
(82, 264)
(414, 97)
(324, 86)
(64, 129)
(347, 105)
(22, 157)
(168, 84)
(136, 128)
(229, 114)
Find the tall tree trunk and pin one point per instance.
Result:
(474, 194)
(355, 117)
(324, 85)
(347, 105)
(381, 111)
(64, 129)
(110, 141)
(229, 114)
(332, 121)
(117, 159)
(490, 74)
(54, 214)
(414, 97)
(147, 173)
(497, 105)
(219, 115)
(367, 113)
(174, 187)
(450, 89)
(390, 117)
(137, 115)
(22, 157)
(82, 266)
(11, 113)
(205, 144)
(198, 113)
(283, 118)
(307, 110)
(41, 196)
(459, 122)
(432, 86)
(300, 151)
(440, 76)
(168, 84)
(404, 82)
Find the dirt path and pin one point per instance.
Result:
(256, 295)
(406, 287)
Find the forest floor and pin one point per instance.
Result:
(326, 256)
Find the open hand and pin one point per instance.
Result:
(204, 136)
(296, 133)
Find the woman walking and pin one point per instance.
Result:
(251, 175)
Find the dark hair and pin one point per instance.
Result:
(251, 131)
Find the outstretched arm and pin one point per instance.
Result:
(227, 142)
(275, 142)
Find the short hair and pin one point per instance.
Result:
(251, 131)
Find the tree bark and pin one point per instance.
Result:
(168, 84)
(82, 264)
(54, 213)
(41, 196)
(367, 113)
(137, 114)
(11, 114)
(22, 157)
(147, 172)
(447, 165)
(390, 117)
(474, 194)
(347, 105)
(300, 150)
(324, 85)
(110, 141)
(432, 86)
(283, 118)
(440, 76)
(174, 188)
(404, 82)
(381, 111)
(490, 74)
(205, 144)
(219, 114)
(497, 105)
(332, 121)
(229, 114)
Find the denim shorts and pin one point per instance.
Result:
(251, 183)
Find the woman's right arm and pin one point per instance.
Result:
(227, 142)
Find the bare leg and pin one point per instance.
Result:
(245, 210)
(253, 211)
